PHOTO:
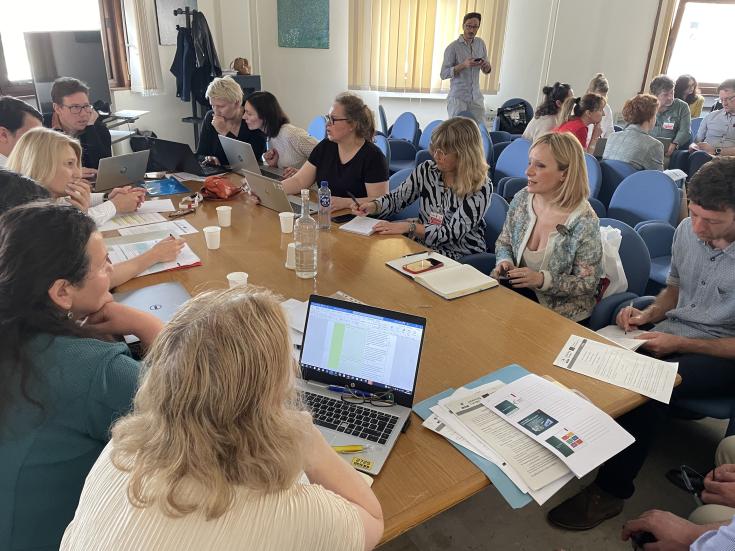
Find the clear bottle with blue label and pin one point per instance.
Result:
(325, 205)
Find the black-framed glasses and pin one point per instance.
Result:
(76, 109)
(468, 26)
(379, 399)
(329, 119)
(693, 482)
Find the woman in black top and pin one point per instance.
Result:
(225, 119)
(348, 159)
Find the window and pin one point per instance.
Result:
(82, 15)
(699, 42)
(398, 45)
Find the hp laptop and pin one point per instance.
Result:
(240, 156)
(161, 300)
(178, 157)
(122, 170)
(370, 352)
(271, 194)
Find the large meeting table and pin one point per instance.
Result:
(465, 338)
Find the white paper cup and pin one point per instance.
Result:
(224, 216)
(291, 256)
(286, 221)
(237, 278)
(211, 236)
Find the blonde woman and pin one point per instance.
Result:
(225, 119)
(52, 159)
(453, 189)
(213, 453)
(550, 246)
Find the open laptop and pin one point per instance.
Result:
(171, 156)
(161, 300)
(121, 170)
(368, 350)
(271, 194)
(240, 156)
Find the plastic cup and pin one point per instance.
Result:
(291, 256)
(286, 221)
(237, 278)
(224, 216)
(211, 236)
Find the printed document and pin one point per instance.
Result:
(619, 336)
(120, 253)
(177, 228)
(156, 205)
(624, 368)
(574, 430)
(132, 219)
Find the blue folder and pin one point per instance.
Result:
(505, 486)
(167, 186)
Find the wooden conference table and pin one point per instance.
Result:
(465, 339)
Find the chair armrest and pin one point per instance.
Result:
(485, 262)
(602, 315)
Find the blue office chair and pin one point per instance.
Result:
(658, 237)
(511, 186)
(636, 265)
(422, 156)
(406, 128)
(613, 172)
(382, 143)
(696, 161)
(694, 125)
(425, 138)
(514, 101)
(598, 207)
(494, 220)
(594, 174)
(499, 136)
(383, 120)
(318, 128)
(487, 145)
(512, 162)
(412, 210)
(402, 155)
(403, 139)
(646, 195)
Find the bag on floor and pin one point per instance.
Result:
(613, 279)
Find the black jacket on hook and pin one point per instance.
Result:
(195, 63)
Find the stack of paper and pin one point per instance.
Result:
(122, 252)
(361, 225)
(133, 219)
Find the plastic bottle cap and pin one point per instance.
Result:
(324, 183)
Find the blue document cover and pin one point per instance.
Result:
(507, 489)
(167, 186)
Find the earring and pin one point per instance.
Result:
(69, 315)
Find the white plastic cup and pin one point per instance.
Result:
(291, 256)
(211, 236)
(286, 221)
(224, 216)
(237, 278)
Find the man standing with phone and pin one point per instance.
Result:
(463, 60)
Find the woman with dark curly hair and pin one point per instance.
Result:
(545, 118)
(633, 145)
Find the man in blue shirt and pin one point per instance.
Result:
(463, 60)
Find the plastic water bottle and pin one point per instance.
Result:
(325, 205)
(305, 236)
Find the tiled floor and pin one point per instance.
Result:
(486, 522)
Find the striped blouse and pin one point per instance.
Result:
(454, 225)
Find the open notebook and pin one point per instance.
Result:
(361, 225)
(453, 280)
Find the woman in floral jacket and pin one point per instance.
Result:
(550, 244)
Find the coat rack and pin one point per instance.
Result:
(195, 119)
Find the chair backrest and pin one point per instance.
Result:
(645, 195)
(382, 143)
(499, 136)
(398, 178)
(594, 174)
(658, 237)
(598, 207)
(513, 160)
(695, 127)
(412, 210)
(425, 138)
(697, 160)
(423, 155)
(633, 255)
(383, 120)
(613, 172)
(406, 128)
(318, 128)
(511, 186)
(487, 145)
(494, 220)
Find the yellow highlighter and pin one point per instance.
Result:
(355, 448)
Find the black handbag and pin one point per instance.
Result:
(512, 119)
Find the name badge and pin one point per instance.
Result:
(668, 126)
(436, 219)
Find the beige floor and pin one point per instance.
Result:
(486, 522)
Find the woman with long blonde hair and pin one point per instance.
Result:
(453, 192)
(550, 247)
(212, 454)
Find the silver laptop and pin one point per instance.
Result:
(374, 355)
(121, 170)
(240, 156)
(162, 300)
(271, 194)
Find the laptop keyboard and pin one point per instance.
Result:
(353, 419)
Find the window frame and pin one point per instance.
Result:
(112, 28)
(706, 88)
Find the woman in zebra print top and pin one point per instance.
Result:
(453, 193)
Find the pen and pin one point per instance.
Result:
(354, 448)
(625, 331)
(354, 199)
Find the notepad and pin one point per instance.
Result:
(121, 253)
(456, 281)
(361, 225)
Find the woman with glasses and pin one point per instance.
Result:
(288, 146)
(214, 454)
(687, 90)
(63, 377)
(453, 192)
(74, 116)
(347, 159)
(226, 119)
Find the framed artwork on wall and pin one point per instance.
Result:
(303, 24)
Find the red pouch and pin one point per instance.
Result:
(219, 188)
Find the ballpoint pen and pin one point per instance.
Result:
(625, 331)
(354, 199)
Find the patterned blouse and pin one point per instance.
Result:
(454, 225)
(572, 264)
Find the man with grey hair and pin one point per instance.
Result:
(716, 134)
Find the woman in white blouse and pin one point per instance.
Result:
(600, 86)
(288, 146)
(213, 454)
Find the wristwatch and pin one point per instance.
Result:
(718, 150)
(411, 230)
